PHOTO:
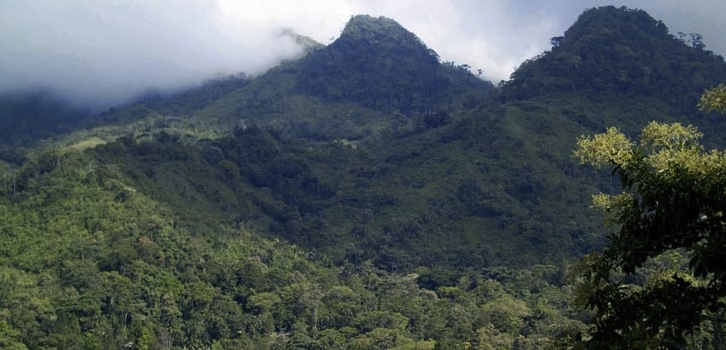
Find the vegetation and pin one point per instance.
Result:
(379, 64)
(614, 52)
(714, 100)
(672, 207)
(90, 261)
(368, 196)
(672, 204)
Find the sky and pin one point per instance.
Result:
(101, 53)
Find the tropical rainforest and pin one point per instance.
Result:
(368, 195)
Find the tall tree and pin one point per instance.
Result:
(673, 204)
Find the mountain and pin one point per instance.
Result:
(28, 116)
(367, 149)
(374, 75)
(363, 196)
(611, 52)
(308, 44)
(379, 64)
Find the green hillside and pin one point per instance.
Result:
(365, 196)
(613, 52)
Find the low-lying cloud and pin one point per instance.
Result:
(103, 52)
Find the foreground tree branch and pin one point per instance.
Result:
(672, 204)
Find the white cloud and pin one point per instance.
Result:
(105, 52)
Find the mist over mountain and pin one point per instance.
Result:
(105, 53)
(32, 115)
(99, 54)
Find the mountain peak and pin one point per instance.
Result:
(379, 64)
(367, 24)
(381, 33)
(631, 26)
(616, 51)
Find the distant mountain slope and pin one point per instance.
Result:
(26, 117)
(611, 52)
(366, 150)
(376, 77)
(380, 65)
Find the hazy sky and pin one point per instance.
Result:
(105, 51)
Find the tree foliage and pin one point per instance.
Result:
(714, 100)
(673, 201)
(114, 248)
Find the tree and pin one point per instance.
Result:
(714, 100)
(673, 202)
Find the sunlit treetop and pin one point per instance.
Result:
(673, 200)
(714, 100)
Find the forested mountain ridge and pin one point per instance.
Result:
(364, 196)
(610, 52)
(379, 64)
(375, 76)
